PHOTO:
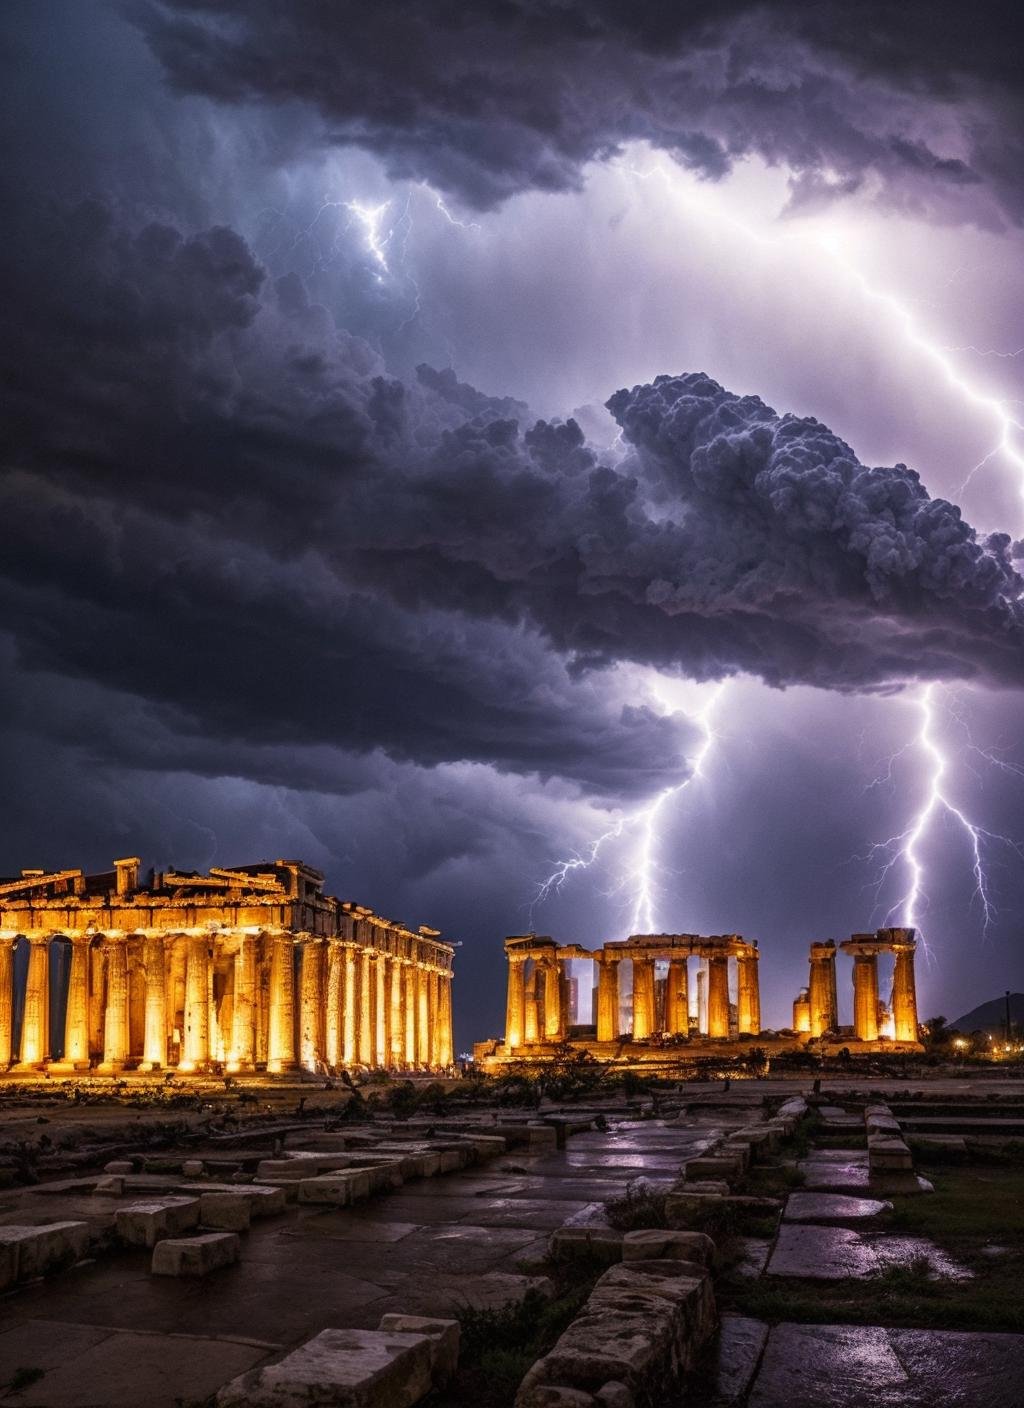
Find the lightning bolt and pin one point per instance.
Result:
(643, 866)
(905, 847)
(371, 217)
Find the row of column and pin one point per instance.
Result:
(355, 1006)
(538, 1007)
(816, 1009)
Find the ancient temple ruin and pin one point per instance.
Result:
(634, 998)
(249, 968)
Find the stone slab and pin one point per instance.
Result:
(26, 1252)
(850, 1366)
(195, 1256)
(225, 1212)
(340, 1369)
(831, 1207)
(736, 1354)
(821, 1253)
(144, 1224)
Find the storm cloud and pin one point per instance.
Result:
(486, 100)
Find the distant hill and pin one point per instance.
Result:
(991, 1016)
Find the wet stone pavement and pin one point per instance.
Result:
(108, 1334)
(829, 1230)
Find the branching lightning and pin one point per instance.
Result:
(643, 865)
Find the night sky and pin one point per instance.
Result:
(445, 440)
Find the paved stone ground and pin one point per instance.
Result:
(109, 1333)
(830, 1231)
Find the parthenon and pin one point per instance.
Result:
(248, 968)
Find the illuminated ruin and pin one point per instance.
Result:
(249, 968)
(564, 992)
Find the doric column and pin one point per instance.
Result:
(76, 1017)
(718, 996)
(802, 1013)
(6, 1003)
(350, 1021)
(904, 991)
(515, 1008)
(334, 1018)
(446, 1043)
(243, 1015)
(195, 1040)
(531, 1021)
(607, 997)
(553, 1001)
(367, 1003)
(434, 992)
(281, 1032)
(97, 997)
(821, 990)
(643, 998)
(865, 996)
(411, 1013)
(396, 1015)
(702, 997)
(115, 1022)
(422, 1017)
(311, 1005)
(677, 999)
(748, 994)
(382, 1040)
(154, 1043)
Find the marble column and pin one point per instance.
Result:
(531, 1016)
(350, 1023)
(115, 1024)
(76, 1017)
(311, 1006)
(802, 1013)
(154, 1042)
(607, 998)
(643, 998)
(396, 1016)
(195, 1042)
(6, 1003)
(677, 999)
(516, 1004)
(97, 997)
(281, 1027)
(334, 1016)
(865, 996)
(411, 1013)
(821, 990)
(243, 1014)
(422, 1018)
(702, 997)
(367, 1005)
(446, 1043)
(748, 994)
(553, 1004)
(904, 993)
(382, 1042)
(718, 996)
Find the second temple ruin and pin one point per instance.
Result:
(641, 991)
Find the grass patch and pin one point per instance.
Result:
(971, 1211)
(499, 1346)
(639, 1207)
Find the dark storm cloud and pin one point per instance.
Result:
(487, 99)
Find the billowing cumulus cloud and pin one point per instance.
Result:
(485, 100)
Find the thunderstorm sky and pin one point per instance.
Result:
(344, 517)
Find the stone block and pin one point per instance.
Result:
(300, 1165)
(736, 1149)
(658, 1244)
(682, 1208)
(195, 1256)
(340, 1369)
(144, 1224)
(263, 1199)
(443, 1336)
(26, 1252)
(885, 1153)
(488, 1146)
(112, 1184)
(227, 1212)
(793, 1108)
(451, 1160)
(615, 1395)
(725, 1166)
(118, 1166)
(337, 1189)
(601, 1243)
(193, 1168)
(542, 1136)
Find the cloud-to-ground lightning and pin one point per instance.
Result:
(371, 217)
(905, 848)
(641, 869)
